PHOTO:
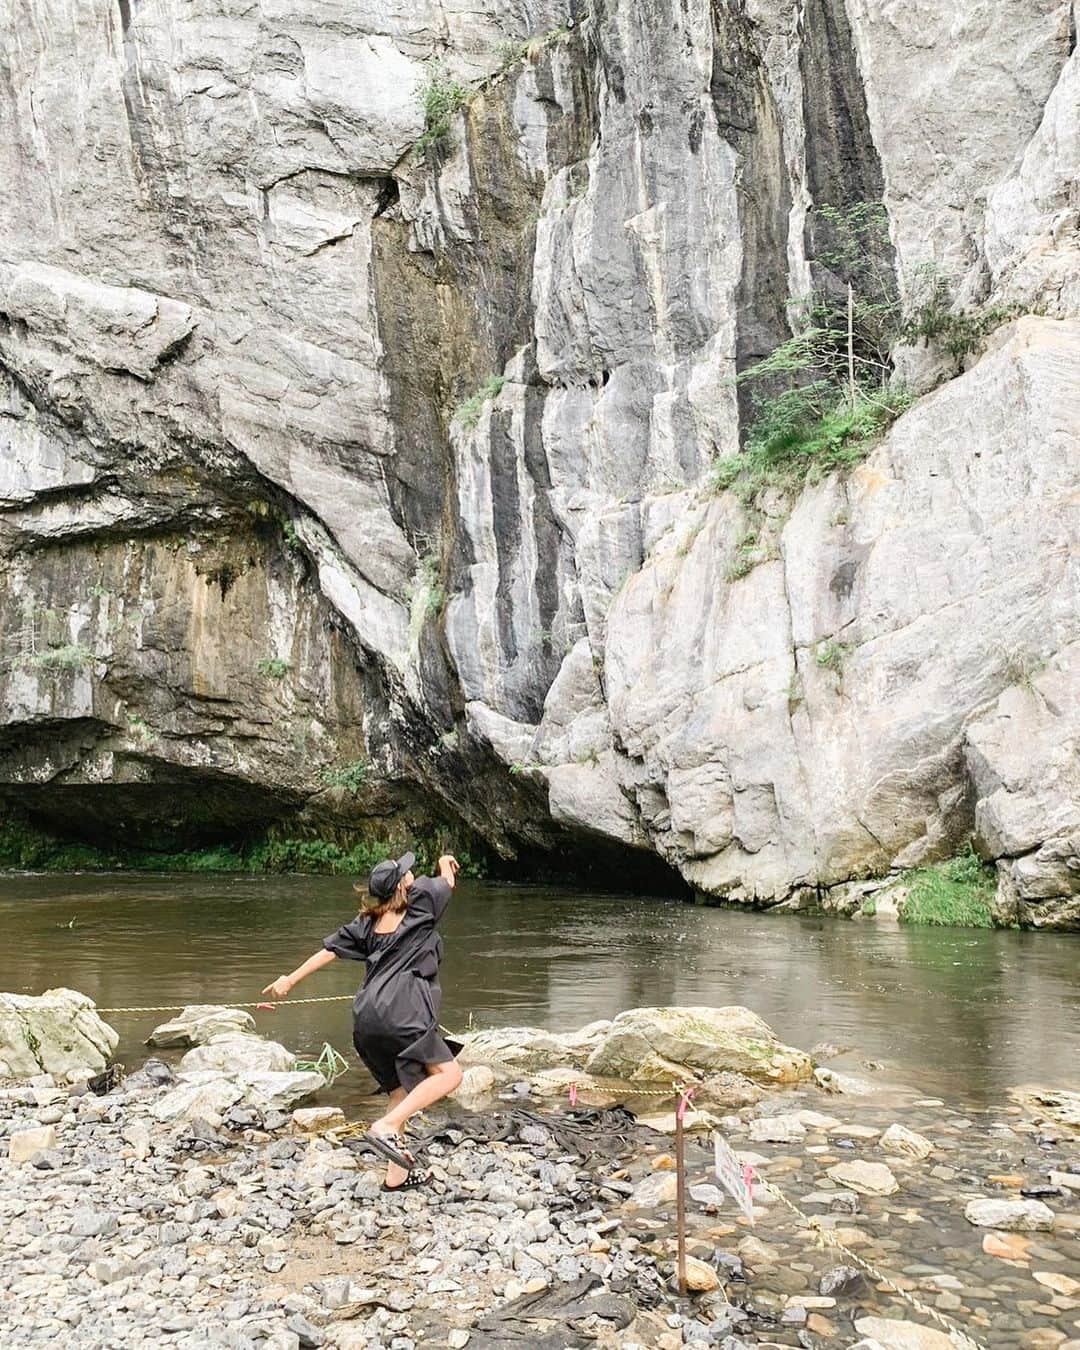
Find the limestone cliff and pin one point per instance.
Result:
(346, 480)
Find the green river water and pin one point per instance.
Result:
(962, 1013)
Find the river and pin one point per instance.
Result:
(964, 1013)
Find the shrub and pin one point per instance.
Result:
(272, 668)
(351, 777)
(467, 414)
(442, 96)
(824, 397)
(72, 656)
(957, 892)
(830, 654)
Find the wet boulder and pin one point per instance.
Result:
(59, 1033)
(525, 1050)
(199, 1024)
(658, 1044)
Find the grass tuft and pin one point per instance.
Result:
(957, 893)
(467, 414)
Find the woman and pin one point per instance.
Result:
(396, 1010)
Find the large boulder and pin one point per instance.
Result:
(207, 1094)
(59, 1033)
(525, 1050)
(657, 1044)
(199, 1024)
(230, 1053)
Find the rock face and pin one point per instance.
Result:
(57, 1033)
(320, 452)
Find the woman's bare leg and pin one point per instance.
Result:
(441, 1080)
(395, 1175)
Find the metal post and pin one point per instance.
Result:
(680, 1193)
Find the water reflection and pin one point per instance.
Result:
(960, 1012)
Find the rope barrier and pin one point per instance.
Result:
(269, 1007)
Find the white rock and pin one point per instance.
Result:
(58, 1033)
(658, 1188)
(867, 1178)
(898, 1139)
(24, 1144)
(477, 1082)
(1012, 1216)
(229, 1053)
(785, 1129)
(316, 1119)
(200, 1023)
(281, 1090)
(843, 1084)
(205, 1095)
(890, 1335)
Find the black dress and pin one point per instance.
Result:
(396, 1009)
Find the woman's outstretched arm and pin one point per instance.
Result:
(281, 986)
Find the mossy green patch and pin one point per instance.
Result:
(955, 893)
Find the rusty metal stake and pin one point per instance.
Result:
(680, 1193)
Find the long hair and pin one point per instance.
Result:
(371, 907)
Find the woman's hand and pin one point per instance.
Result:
(280, 987)
(449, 863)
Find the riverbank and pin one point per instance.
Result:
(956, 892)
(542, 1227)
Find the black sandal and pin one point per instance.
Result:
(391, 1146)
(411, 1182)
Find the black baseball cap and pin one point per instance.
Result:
(385, 876)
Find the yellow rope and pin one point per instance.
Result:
(262, 1003)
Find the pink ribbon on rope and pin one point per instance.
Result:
(684, 1101)
(573, 1094)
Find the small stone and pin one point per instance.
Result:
(1059, 1283)
(306, 1332)
(785, 1129)
(700, 1277)
(315, 1119)
(1014, 1216)
(839, 1280)
(23, 1145)
(458, 1339)
(659, 1188)
(902, 1335)
(899, 1139)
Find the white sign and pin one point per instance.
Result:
(734, 1177)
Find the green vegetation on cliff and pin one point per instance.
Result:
(957, 893)
(26, 848)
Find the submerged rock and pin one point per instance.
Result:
(866, 1178)
(899, 1139)
(897, 1335)
(1013, 1216)
(58, 1032)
